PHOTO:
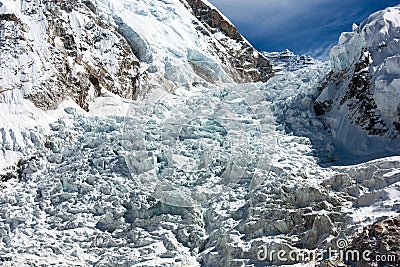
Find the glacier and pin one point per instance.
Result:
(186, 157)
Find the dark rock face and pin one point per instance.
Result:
(90, 5)
(250, 65)
(382, 239)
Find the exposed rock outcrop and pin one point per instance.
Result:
(360, 97)
(60, 49)
(251, 65)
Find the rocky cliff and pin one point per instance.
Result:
(361, 98)
(250, 65)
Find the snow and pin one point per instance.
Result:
(379, 31)
(379, 34)
(111, 104)
(387, 97)
(48, 47)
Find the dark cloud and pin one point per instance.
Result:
(304, 26)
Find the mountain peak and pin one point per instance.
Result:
(85, 47)
(361, 98)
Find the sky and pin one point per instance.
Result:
(306, 27)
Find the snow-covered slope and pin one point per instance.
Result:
(251, 65)
(361, 99)
(52, 51)
(57, 49)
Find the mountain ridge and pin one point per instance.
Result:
(183, 161)
(360, 98)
